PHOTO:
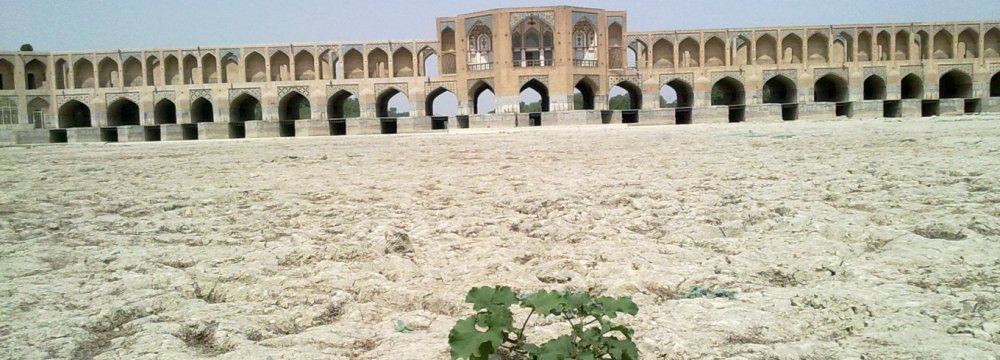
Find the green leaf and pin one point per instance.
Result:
(486, 297)
(401, 326)
(560, 348)
(577, 300)
(545, 302)
(613, 306)
(622, 349)
(467, 342)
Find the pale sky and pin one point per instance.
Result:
(70, 25)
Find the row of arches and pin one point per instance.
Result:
(818, 48)
(208, 69)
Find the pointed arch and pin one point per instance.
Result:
(354, 64)
(728, 91)
(107, 73)
(923, 42)
(741, 51)
(819, 48)
(378, 63)
(779, 90)
(584, 93)
(689, 52)
(991, 43)
(830, 88)
(62, 72)
(634, 93)
(38, 112)
(884, 48)
(83, 72)
(245, 107)
(171, 70)
(230, 69)
(123, 112)
(280, 65)
(305, 66)
(190, 65)
(382, 108)
(995, 85)
(902, 45)
(955, 84)
(153, 76)
(441, 102)
(402, 63)
(343, 104)
(791, 49)
(842, 50)
(767, 50)
(911, 87)
(715, 52)
(256, 68)
(210, 70)
(541, 89)
(428, 62)
(676, 94)
(6, 75)
(968, 44)
(663, 54)
(34, 74)
(202, 111)
(483, 98)
(448, 51)
(133, 72)
(943, 45)
(865, 46)
(165, 112)
(74, 114)
(874, 88)
(294, 106)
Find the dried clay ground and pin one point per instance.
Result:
(848, 239)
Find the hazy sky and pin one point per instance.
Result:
(62, 25)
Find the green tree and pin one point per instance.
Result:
(620, 102)
(532, 107)
(667, 104)
(27, 47)
(352, 108)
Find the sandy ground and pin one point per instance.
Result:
(844, 240)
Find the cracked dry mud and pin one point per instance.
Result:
(873, 239)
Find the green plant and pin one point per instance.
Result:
(698, 291)
(492, 328)
(401, 326)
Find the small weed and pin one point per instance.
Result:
(698, 291)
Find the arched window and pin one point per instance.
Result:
(480, 47)
(584, 44)
(534, 48)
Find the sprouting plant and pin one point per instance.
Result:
(698, 291)
(593, 336)
(401, 326)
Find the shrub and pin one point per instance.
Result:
(491, 330)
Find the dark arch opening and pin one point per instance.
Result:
(343, 105)
(830, 88)
(245, 108)
(955, 85)
(441, 102)
(632, 99)
(383, 108)
(911, 87)
(294, 106)
(165, 112)
(683, 94)
(874, 88)
(201, 111)
(123, 112)
(74, 114)
(780, 90)
(543, 94)
(484, 101)
(583, 95)
(728, 91)
(995, 85)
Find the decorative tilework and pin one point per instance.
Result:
(547, 17)
(544, 79)
(580, 16)
(225, 53)
(201, 93)
(446, 25)
(285, 90)
(234, 93)
(668, 37)
(334, 89)
(719, 75)
(685, 77)
(821, 72)
(485, 20)
(616, 19)
(134, 55)
(944, 68)
(358, 47)
(874, 70)
(381, 88)
(791, 74)
(994, 68)
(112, 97)
(614, 80)
(83, 98)
(911, 69)
(472, 83)
(434, 85)
(160, 95)
(593, 78)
